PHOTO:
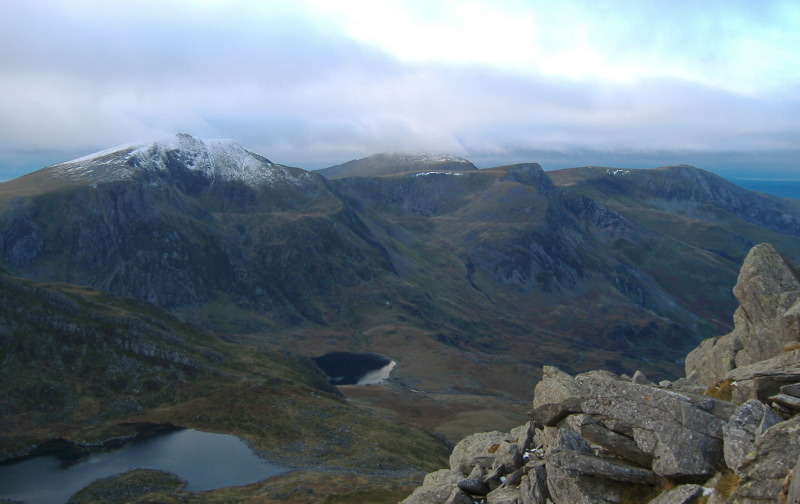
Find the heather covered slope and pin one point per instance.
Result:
(79, 365)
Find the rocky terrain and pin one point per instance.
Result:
(729, 432)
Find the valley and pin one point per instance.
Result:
(191, 282)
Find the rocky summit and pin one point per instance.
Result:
(729, 432)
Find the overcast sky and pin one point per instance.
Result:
(313, 83)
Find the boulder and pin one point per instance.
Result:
(767, 320)
(793, 492)
(459, 497)
(572, 487)
(684, 438)
(477, 449)
(601, 467)
(504, 495)
(533, 487)
(682, 494)
(774, 456)
(556, 387)
(436, 488)
(740, 433)
(619, 445)
(764, 379)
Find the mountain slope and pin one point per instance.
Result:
(84, 367)
(462, 276)
(391, 163)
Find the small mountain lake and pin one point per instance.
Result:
(206, 461)
(349, 368)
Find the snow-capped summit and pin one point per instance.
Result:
(217, 160)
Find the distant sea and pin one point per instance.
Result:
(782, 188)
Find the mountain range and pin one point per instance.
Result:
(464, 276)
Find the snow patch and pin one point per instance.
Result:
(425, 174)
(219, 160)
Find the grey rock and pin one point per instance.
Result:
(508, 457)
(459, 497)
(606, 468)
(618, 444)
(682, 494)
(764, 379)
(569, 440)
(533, 487)
(684, 439)
(793, 492)
(503, 495)
(570, 487)
(792, 389)
(787, 401)
(774, 457)
(477, 449)
(640, 379)
(473, 487)
(750, 421)
(436, 488)
(555, 387)
(551, 413)
(766, 321)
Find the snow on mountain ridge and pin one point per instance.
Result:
(219, 160)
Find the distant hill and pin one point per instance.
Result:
(782, 188)
(462, 276)
(391, 163)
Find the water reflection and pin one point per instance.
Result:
(206, 461)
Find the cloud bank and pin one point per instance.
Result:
(314, 83)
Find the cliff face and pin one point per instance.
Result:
(602, 438)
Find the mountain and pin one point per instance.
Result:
(391, 163)
(728, 432)
(463, 276)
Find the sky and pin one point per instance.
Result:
(315, 83)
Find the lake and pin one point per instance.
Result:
(354, 368)
(206, 461)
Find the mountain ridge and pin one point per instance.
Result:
(510, 267)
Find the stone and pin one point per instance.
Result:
(436, 488)
(682, 494)
(765, 378)
(768, 318)
(459, 497)
(618, 444)
(793, 492)
(750, 421)
(473, 487)
(787, 401)
(533, 487)
(508, 456)
(551, 413)
(503, 495)
(477, 449)
(639, 378)
(571, 487)
(792, 389)
(774, 457)
(555, 387)
(684, 439)
(569, 440)
(600, 467)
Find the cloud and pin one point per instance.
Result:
(315, 84)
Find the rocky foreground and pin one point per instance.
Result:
(727, 433)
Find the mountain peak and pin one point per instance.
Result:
(388, 163)
(217, 160)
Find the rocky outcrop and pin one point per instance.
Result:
(766, 322)
(598, 437)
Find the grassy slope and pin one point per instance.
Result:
(64, 375)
